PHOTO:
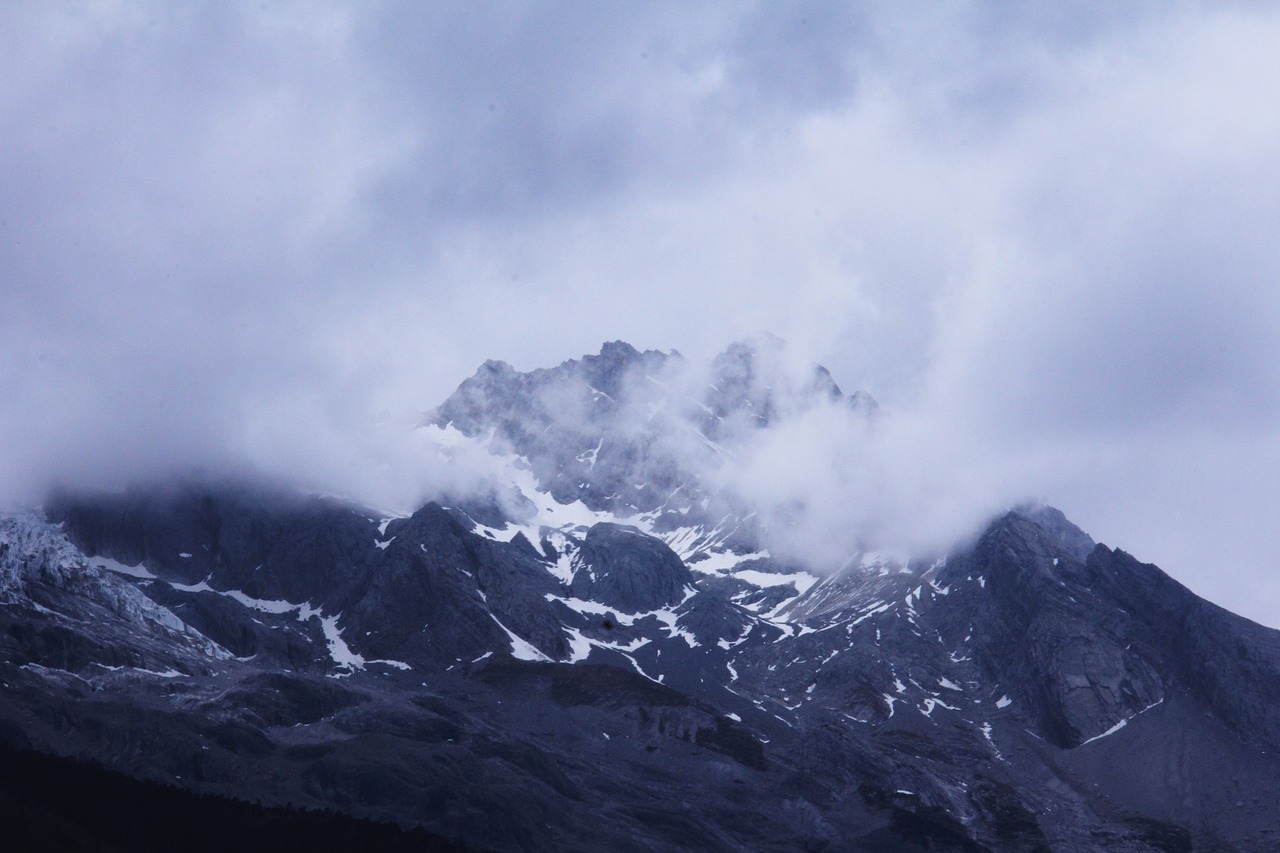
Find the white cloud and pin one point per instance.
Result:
(1044, 238)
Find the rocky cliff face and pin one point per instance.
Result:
(610, 659)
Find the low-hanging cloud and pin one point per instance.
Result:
(830, 484)
(1042, 238)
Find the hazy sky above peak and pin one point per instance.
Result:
(1045, 236)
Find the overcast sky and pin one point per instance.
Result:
(1044, 235)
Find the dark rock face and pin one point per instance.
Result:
(1231, 664)
(651, 683)
(1071, 656)
(624, 568)
(270, 544)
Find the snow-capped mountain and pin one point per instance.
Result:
(604, 651)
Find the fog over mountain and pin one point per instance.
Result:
(271, 237)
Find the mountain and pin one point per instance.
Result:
(601, 649)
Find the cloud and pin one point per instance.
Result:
(1042, 237)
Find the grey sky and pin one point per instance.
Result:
(1044, 235)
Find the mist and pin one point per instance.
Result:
(273, 236)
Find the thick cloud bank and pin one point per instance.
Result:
(273, 234)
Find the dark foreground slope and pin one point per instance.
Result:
(55, 804)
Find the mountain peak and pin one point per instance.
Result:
(617, 351)
(496, 367)
(599, 428)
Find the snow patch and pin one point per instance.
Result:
(138, 571)
(931, 702)
(591, 455)
(341, 654)
(1120, 725)
(521, 649)
(802, 580)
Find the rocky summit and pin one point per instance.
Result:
(600, 651)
